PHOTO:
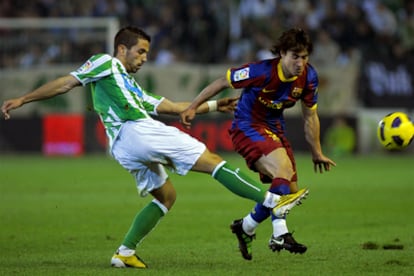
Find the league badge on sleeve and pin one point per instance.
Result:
(85, 67)
(241, 74)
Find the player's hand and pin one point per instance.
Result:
(227, 105)
(9, 105)
(322, 163)
(187, 116)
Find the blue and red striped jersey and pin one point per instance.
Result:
(266, 93)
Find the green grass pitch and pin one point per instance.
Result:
(66, 216)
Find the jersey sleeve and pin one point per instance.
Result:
(151, 102)
(310, 97)
(251, 74)
(95, 68)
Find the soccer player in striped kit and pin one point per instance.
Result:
(258, 130)
(145, 146)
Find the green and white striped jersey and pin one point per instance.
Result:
(116, 95)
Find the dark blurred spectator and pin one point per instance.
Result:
(382, 19)
(314, 15)
(257, 9)
(326, 51)
(406, 27)
(165, 54)
(31, 57)
(364, 36)
(342, 29)
(215, 31)
(199, 32)
(340, 138)
(262, 45)
(115, 8)
(6, 8)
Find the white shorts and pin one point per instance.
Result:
(144, 147)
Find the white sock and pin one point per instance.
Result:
(271, 200)
(125, 251)
(249, 225)
(279, 227)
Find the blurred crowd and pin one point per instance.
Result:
(219, 31)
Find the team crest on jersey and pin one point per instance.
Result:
(241, 74)
(296, 92)
(85, 67)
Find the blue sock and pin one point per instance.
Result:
(280, 186)
(260, 213)
(280, 190)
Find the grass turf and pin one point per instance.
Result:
(66, 216)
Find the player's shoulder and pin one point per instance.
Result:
(101, 57)
(258, 64)
(311, 69)
(311, 72)
(266, 63)
(101, 61)
(263, 67)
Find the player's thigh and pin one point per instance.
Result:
(179, 151)
(276, 164)
(207, 162)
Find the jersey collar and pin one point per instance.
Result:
(282, 76)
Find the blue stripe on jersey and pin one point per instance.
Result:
(130, 86)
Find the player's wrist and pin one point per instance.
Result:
(212, 105)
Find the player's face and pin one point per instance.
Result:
(294, 63)
(136, 56)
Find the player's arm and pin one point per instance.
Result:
(222, 105)
(48, 90)
(208, 92)
(312, 136)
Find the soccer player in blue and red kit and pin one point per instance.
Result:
(258, 129)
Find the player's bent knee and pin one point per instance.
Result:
(207, 162)
(168, 201)
(276, 170)
(214, 158)
(281, 172)
(166, 195)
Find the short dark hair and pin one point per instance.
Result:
(129, 36)
(295, 39)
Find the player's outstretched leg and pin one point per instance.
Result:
(287, 202)
(241, 184)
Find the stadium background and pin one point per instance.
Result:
(364, 52)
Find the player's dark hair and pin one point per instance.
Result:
(129, 36)
(295, 39)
